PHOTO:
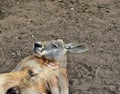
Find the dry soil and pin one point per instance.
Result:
(95, 23)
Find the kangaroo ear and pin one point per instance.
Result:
(76, 48)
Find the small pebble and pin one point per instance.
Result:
(18, 3)
(90, 19)
(72, 8)
(112, 87)
(32, 36)
(13, 53)
(29, 21)
(7, 63)
(16, 37)
(2, 11)
(119, 88)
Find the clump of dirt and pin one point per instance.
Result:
(95, 23)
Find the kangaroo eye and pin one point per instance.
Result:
(54, 46)
(13, 90)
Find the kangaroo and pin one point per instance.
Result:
(44, 72)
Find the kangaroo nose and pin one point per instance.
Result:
(37, 45)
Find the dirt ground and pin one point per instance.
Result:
(95, 23)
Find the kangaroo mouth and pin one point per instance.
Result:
(53, 65)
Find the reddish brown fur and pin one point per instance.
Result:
(46, 79)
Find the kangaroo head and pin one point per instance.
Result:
(56, 49)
